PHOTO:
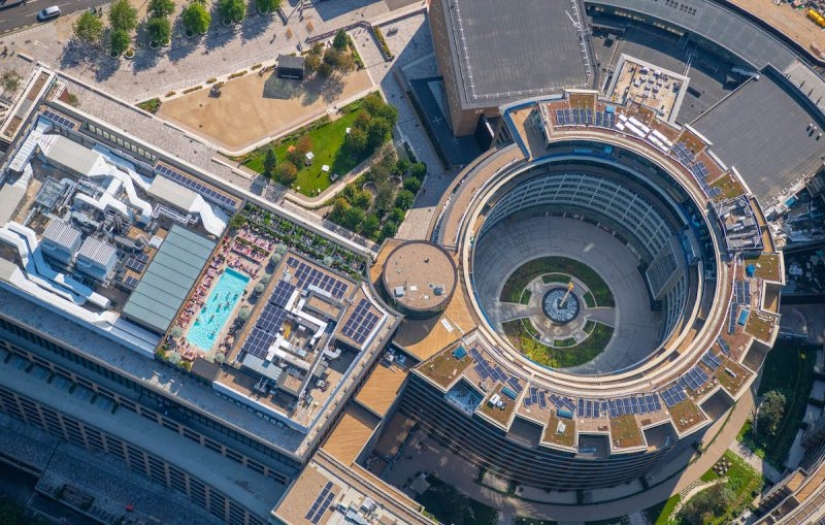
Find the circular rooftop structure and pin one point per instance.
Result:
(419, 278)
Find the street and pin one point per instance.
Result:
(26, 14)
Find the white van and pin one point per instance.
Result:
(48, 13)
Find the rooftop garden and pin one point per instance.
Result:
(500, 413)
(766, 266)
(361, 128)
(524, 339)
(302, 240)
(444, 368)
(789, 370)
(625, 432)
(525, 273)
(686, 415)
(375, 204)
(760, 325)
(734, 377)
(730, 186)
(565, 438)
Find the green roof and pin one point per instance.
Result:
(168, 279)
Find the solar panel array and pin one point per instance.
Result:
(732, 318)
(269, 322)
(683, 154)
(711, 360)
(205, 191)
(57, 119)
(636, 405)
(496, 373)
(581, 117)
(321, 504)
(131, 282)
(700, 173)
(562, 402)
(674, 395)
(134, 264)
(723, 345)
(742, 292)
(532, 397)
(361, 323)
(694, 379)
(307, 275)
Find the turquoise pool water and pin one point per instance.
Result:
(217, 309)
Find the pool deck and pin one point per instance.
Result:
(242, 280)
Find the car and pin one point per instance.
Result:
(48, 13)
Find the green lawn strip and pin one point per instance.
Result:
(589, 300)
(525, 297)
(789, 369)
(744, 483)
(660, 514)
(528, 325)
(555, 357)
(449, 505)
(549, 265)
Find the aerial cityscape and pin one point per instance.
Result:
(468, 262)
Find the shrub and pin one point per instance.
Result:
(192, 89)
(270, 162)
(171, 93)
(212, 80)
(256, 66)
(10, 80)
(122, 17)
(389, 230)
(267, 6)
(286, 173)
(404, 199)
(89, 28)
(238, 74)
(161, 8)
(412, 184)
(159, 30)
(418, 170)
(152, 105)
(196, 18)
(341, 41)
(232, 10)
(382, 42)
(119, 41)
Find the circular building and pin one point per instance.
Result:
(613, 310)
(419, 279)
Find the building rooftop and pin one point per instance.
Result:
(764, 130)
(419, 275)
(491, 42)
(168, 279)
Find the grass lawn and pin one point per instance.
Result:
(542, 354)
(449, 505)
(327, 147)
(549, 265)
(660, 514)
(789, 369)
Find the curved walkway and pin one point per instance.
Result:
(510, 244)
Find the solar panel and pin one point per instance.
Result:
(711, 360)
(513, 382)
(581, 407)
(205, 191)
(542, 400)
(723, 345)
(282, 292)
(134, 264)
(131, 282)
(732, 319)
(674, 395)
(361, 323)
(321, 504)
(57, 119)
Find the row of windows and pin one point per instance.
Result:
(125, 144)
(135, 458)
(291, 465)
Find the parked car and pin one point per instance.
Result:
(48, 13)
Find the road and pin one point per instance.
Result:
(26, 14)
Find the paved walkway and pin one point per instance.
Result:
(759, 464)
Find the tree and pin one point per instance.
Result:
(341, 41)
(357, 140)
(120, 41)
(10, 80)
(232, 10)
(324, 70)
(375, 106)
(89, 28)
(304, 145)
(702, 507)
(270, 162)
(771, 412)
(122, 16)
(287, 173)
(196, 18)
(397, 215)
(412, 184)
(267, 6)
(161, 8)
(404, 200)
(389, 230)
(370, 225)
(362, 120)
(384, 191)
(418, 170)
(312, 62)
(377, 131)
(159, 30)
(362, 199)
(353, 218)
(345, 63)
(339, 209)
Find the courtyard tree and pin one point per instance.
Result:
(232, 10)
(353, 218)
(706, 505)
(312, 62)
(159, 30)
(196, 18)
(123, 17)
(304, 145)
(119, 41)
(267, 6)
(412, 184)
(161, 8)
(325, 70)
(357, 140)
(418, 170)
(341, 41)
(286, 173)
(370, 226)
(10, 80)
(771, 412)
(389, 230)
(404, 199)
(377, 131)
(88, 28)
(270, 162)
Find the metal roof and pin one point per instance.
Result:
(62, 235)
(503, 51)
(290, 62)
(168, 279)
(173, 193)
(762, 130)
(70, 155)
(98, 252)
(717, 24)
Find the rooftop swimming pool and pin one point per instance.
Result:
(217, 309)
